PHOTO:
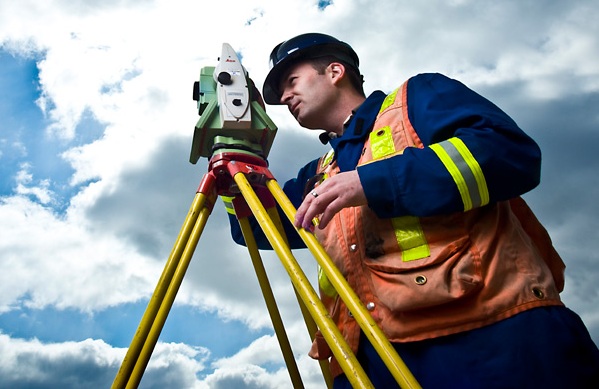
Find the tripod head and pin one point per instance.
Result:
(231, 120)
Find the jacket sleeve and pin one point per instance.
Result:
(294, 190)
(474, 154)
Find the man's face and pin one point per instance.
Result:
(308, 94)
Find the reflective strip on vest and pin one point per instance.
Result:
(410, 238)
(228, 201)
(326, 160)
(381, 143)
(325, 285)
(390, 99)
(408, 232)
(323, 281)
(465, 171)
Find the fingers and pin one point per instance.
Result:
(302, 217)
(315, 210)
(323, 202)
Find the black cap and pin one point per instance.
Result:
(311, 45)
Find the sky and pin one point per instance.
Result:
(96, 123)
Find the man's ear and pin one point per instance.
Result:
(336, 71)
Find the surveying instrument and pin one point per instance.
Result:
(235, 134)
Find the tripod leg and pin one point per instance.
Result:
(312, 328)
(170, 296)
(337, 343)
(146, 336)
(394, 363)
(271, 304)
(273, 213)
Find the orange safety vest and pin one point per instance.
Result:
(427, 277)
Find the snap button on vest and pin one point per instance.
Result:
(420, 280)
(353, 247)
(370, 306)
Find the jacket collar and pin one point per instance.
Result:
(348, 147)
(360, 122)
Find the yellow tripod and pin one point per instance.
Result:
(256, 193)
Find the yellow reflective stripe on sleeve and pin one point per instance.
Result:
(390, 99)
(410, 238)
(408, 232)
(325, 285)
(228, 201)
(381, 142)
(465, 171)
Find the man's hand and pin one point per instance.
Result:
(340, 191)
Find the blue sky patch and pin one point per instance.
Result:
(117, 325)
(322, 4)
(24, 144)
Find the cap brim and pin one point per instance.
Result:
(269, 93)
(270, 90)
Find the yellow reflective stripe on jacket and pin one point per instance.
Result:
(408, 232)
(465, 171)
(228, 201)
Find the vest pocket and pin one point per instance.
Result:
(446, 276)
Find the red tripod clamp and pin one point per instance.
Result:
(224, 166)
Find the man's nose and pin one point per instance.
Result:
(285, 97)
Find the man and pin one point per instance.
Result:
(418, 204)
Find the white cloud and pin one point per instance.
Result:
(41, 192)
(243, 367)
(29, 362)
(247, 377)
(49, 261)
(93, 364)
